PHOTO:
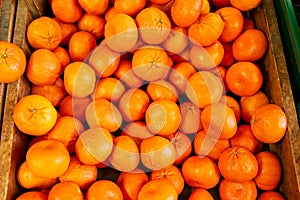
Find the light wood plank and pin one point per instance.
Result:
(36, 8)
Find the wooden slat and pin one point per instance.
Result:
(12, 141)
(23, 18)
(7, 17)
(278, 88)
(36, 8)
(7, 13)
(2, 97)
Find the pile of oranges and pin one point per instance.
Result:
(168, 93)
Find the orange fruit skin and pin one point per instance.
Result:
(48, 158)
(74, 107)
(248, 24)
(93, 24)
(238, 164)
(125, 73)
(33, 195)
(158, 189)
(12, 62)
(54, 92)
(206, 30)
(45, 33)
(150, 63)
(235, 106)
(191, 122)
(173, 174)
(251, 103)
(244, 138)
(220, 3)
(84, 155)
(137, 131)
(180, 74)
(228, 58)
(160, 1)
(269, 171)
(133, 104)
(221, 71)
(103, 164)
(185, 13)
(79, 79)
(200, 172)
(43, 67)
(233, 23)
(103, 113)
(231, 190)
(67, 29)
(166, 7)
(80, 45)
(34, 115)
(200, 194)
(63, 57)
(251, 45)
(28, 180)
(183, 146)
(177, 40)
(204, 88)
(90, 152)
(94, 7)
(125, 154)
(216, 52)
(157, 152)
(110, 12)
(244, 78)
(271, 195)
(269, 123)
(163, 117)
(120, 28)
(66, 130)
(131, 8)
(245, 5)
(109, 88)
(104, 190)
(161, 90)
(205, 145)
(219, 121)
(154, 25)
(207, 58)
(65, 190)
(131, 183)
(104, 61)
(37, 139)
(82, 175)
(68, 11)
(206, 7)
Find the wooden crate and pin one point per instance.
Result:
(276, 83)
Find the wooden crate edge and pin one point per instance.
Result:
(281, 94)
(287, 102)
